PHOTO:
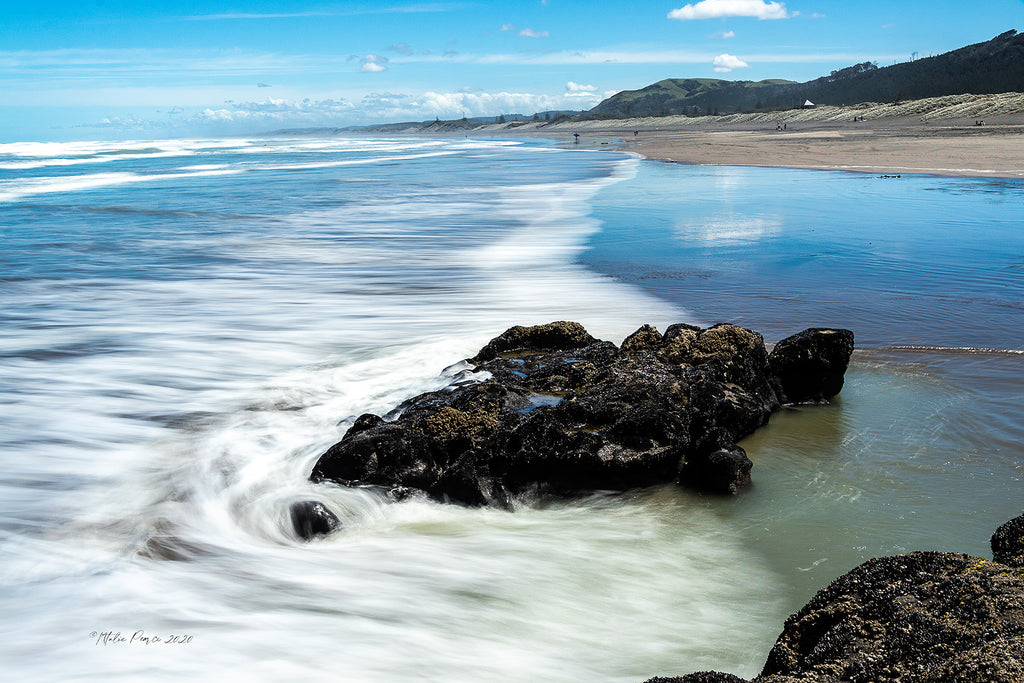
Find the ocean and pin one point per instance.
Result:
(186, 325)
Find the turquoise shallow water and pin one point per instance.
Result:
(186, 325)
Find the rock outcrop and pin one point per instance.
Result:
(564, 413)
(811, 366)
(1008, 543)
(927, 617)
(311, 518)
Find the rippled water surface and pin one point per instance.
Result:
(915, 260)
(186, 325)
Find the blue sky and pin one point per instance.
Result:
(94, 68)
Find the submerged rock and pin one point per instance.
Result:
(566, 413)
(924, 616)
(311, 518)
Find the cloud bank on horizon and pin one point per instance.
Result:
(72, 69)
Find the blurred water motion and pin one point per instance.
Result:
(186, 325)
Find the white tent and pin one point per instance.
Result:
(808, 105)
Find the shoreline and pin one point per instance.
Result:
(883, 147)
(958, 136)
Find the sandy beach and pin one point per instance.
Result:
(939, 136)
(884, 147)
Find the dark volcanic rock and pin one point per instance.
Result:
(566, 413)
(1008, 543)
(726, 470)
(926, 617)
(557, 336)
(810, 366)
(311, 518)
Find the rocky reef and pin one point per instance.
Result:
(549, 408)
(926, 617)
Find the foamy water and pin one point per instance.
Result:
(186, 325)
(179, 346)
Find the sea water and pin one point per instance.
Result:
(186, 325)
(922, 450)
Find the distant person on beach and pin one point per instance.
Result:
(577, 136)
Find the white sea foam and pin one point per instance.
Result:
(957, 349)
(60, 152)
(77, 161)
(14, 190)
(355, 162)
(165, 415)
(45, 155)
(534, 265)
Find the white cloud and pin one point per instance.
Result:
(235, 117)
(530, 33)
(579, 88)
(713, 9)
(281, 113)
(401, 48)
(459, 104)
(725, 35)
(273, 105)
(374, 64)
(508, 27)
(725, 63)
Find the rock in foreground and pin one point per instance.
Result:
(311, 518)
(565, 413)
(927, 617)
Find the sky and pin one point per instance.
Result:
(168, 68)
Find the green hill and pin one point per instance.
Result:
(994, 66)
